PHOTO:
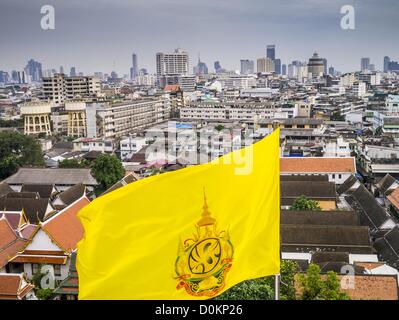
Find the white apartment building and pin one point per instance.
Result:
(238, 82)
(121, 119)
(94, 144)
(337, 149)
(131, 145)
(60, 88)
(392, 105)
(244, 111)
(359, 89)
(172, 63)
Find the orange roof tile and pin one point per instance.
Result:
(39, 259)
(394, 198)
(12, 287)
(374, 287)
(317, 165)
(9, 252)
(7, 234)
(10, 243)
(65, 227)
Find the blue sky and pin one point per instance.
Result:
(100, 35)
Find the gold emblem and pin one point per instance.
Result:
(204, 260)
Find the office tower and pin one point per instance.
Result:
(134, 70)
(393, 66)
(34, 70)
(247, 66)
(372, 67)
(331, 71)
(387, 60)
(277, 66)
(325, 65)
(265, 65)
(72, 72)
(284, 69)
(62, 69)
(365, 64)
(291, 70)
(271, 52)
(60, 88)
(22, 77)
(316, 66)
(172, 63)
(200, 69)
(14, 76)
(4, 78)
(114, 75)
(217, 66)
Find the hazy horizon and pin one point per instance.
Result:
(100, 35)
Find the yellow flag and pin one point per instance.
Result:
(187, 234)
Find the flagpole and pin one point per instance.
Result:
(277, 287)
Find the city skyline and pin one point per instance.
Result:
(253, 26)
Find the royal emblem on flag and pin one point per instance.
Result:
(204, 259)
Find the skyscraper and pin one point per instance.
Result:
(175, 63)
(387, 60)
(284, 69)
(316, 65)
(200, 69)
(34, 70)
(134, 70)
(365, 64)
(72, 72)
(217, 66)
(246, 66)
(331, 71)
(271, 52)
(277, 66)
(265, 65)
(325, 65)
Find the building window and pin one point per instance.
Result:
(57, 270)
(333, 176)
(35, 268)
(340, 176)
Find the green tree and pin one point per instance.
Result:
(263, 288)
(257, 289)
(17, 123)
(107, 169)
(313, 287)
(18, 150)
(303, 203)
(219, 127)
(74, 163)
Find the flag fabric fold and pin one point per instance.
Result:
(187, 234)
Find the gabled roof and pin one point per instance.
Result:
(20, 195)
(13, 286)
(317, 190)
(44, 190)
(328, 218)
(305, 238)
(72, 194)
(4, 189)
(317, 165)
(370, 207)
(50, 176)
(71, 284)
(10, 242)
(129, 178)
(34, 209)
(388, 247)
(65, 227)
(348, 183)
(385, 182)
(308, 177)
